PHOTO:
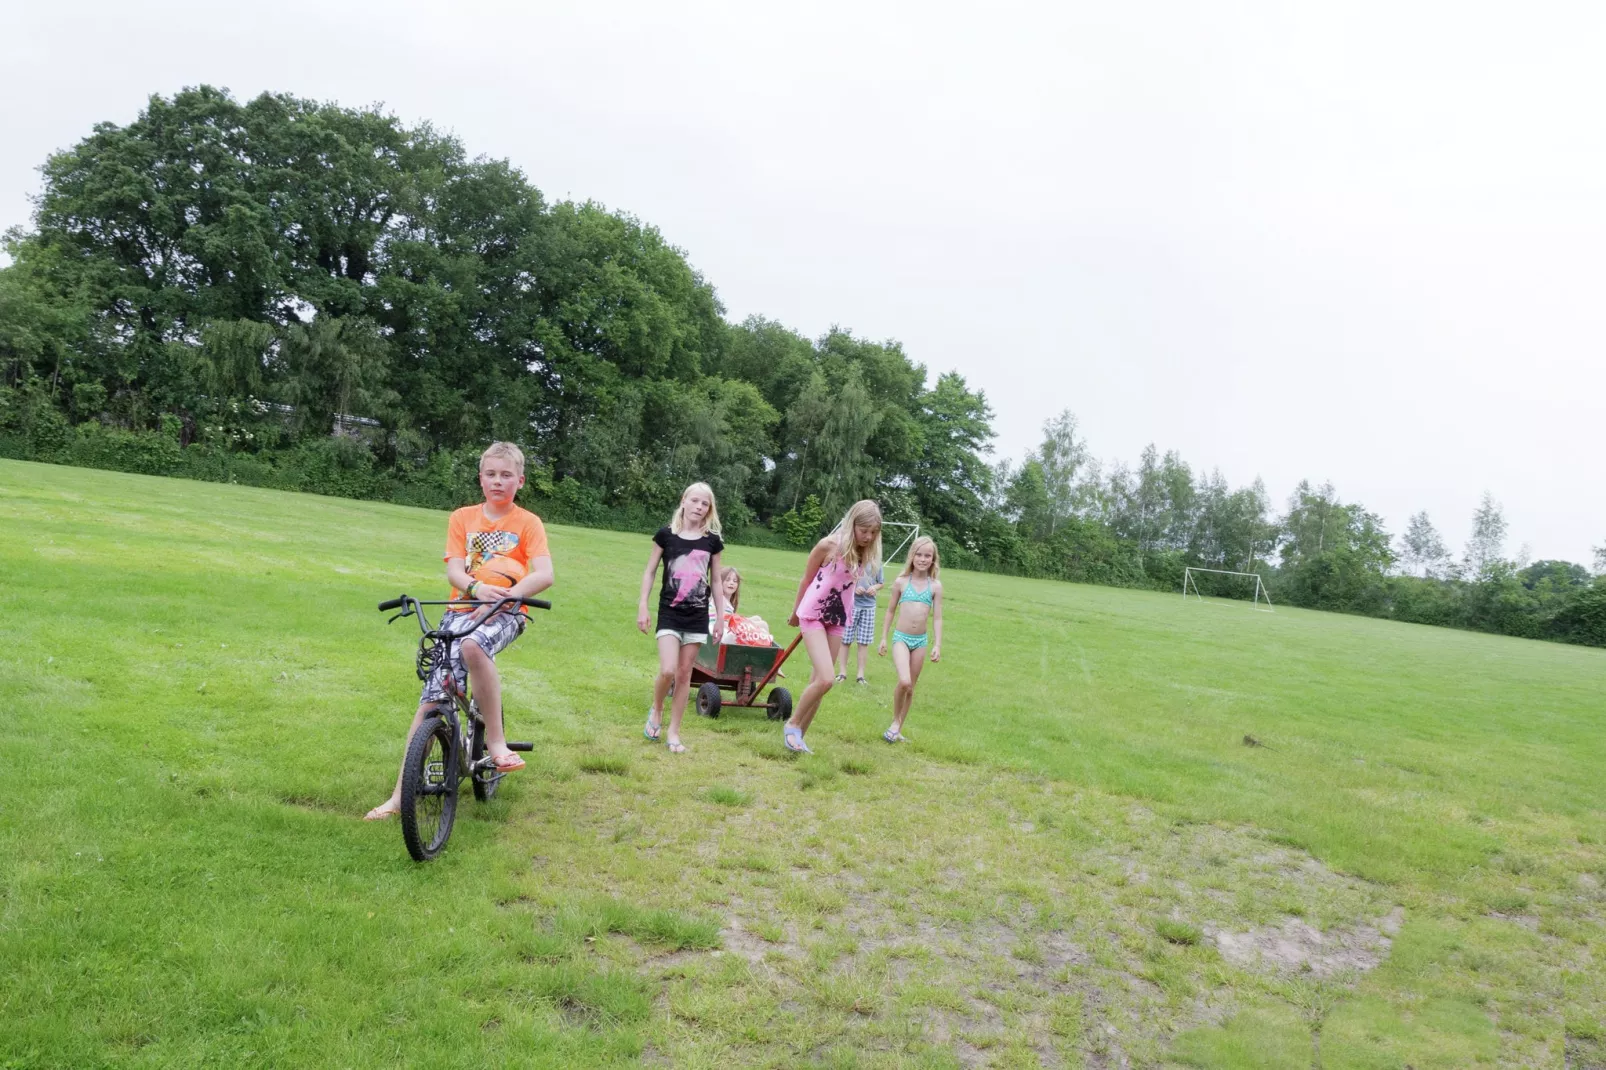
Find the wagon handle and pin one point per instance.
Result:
(778, 663)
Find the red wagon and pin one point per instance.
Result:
(744, 671)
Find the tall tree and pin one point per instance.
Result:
(1060, 457)
(1421, 548)
(1486, 548)
(950, 479)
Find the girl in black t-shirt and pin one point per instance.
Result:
(689, 548)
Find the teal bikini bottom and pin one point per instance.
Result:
(913, 642)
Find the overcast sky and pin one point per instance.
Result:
(1361, 242)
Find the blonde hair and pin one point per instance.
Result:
(507, 451)
(847, 547)
(677, 522)
(737, 597)
(922, 543)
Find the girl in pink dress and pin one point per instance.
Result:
(825, 606)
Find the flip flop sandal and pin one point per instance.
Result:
(677, 748)
(841, 676)
(788, 734)
(508, 763)
(380, 813)
(892, 735)
(862, 680)
(650, 733)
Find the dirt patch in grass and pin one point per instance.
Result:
(1527, 921)
(1299, 948)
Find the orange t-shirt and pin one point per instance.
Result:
(472, 536)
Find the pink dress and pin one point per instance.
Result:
(828, 601)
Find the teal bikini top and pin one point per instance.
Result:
(912, 595)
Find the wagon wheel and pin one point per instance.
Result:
(708, 700)
(779, 707)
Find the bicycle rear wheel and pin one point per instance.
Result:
(485, 780)
(429, 790)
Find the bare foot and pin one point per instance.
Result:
(388, 808)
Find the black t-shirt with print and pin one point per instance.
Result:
(683, 600)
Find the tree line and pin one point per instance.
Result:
(294, 294)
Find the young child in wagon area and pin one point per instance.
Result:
(740, 630)
(916, 602)
(689, 548)
(494, 550)
(825, 606)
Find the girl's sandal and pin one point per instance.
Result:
(892, 735)
(789, 734)
(651, 731)
(381, 812)
(677, 748)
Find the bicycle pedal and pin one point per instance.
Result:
(521, 746)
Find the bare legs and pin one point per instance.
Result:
(674, 670)
(841, 662)
(823, 648)
(908, 665)
(487, 685)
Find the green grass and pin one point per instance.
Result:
(1072, 862)
(727, 796)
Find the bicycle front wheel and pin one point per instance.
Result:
(429, 790)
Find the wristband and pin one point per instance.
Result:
(472, 584)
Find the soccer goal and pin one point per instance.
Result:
(906, 533)
(1243, 583)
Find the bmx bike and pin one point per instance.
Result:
(449, 744)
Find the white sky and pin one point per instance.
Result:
(1358, 241)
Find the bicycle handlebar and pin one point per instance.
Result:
(397, 603)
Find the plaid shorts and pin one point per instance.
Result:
(493, 637)
(863, 629)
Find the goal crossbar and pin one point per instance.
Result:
(910, 533)
(1258, 596)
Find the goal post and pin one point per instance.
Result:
(1249, 582)
(905, 533)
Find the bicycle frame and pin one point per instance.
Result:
(462, 715)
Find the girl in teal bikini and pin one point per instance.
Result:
(916, 602)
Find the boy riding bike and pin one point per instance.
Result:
(494, 550)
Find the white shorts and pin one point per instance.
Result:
(695, 638)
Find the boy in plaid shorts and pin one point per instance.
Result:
(494, 550)
(862, 630)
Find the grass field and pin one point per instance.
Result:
(1077, 861)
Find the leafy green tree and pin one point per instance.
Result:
(1028, 503)
(1231, 528)
(1561, 575)
(330, 370)
(804, 525)
(1486, 548)
(949, 477)
(847, 470)
(1333, 555)
(1060, 457)
(1422, 550)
